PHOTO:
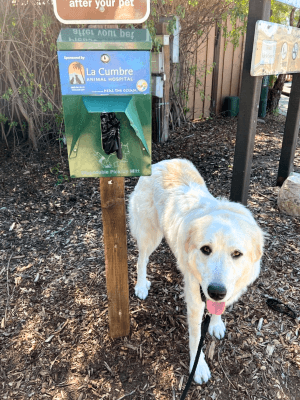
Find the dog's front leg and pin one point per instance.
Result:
(217, 327)
(195, 309)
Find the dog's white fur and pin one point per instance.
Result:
(175, 203)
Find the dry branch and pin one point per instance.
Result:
(10, 77)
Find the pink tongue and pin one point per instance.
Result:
(215, 308)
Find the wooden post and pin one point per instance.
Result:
(112, 193)
(291, 132)
(115, 247)
(249, 102)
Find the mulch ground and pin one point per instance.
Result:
(54, 341)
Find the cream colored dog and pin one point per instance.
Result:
(217, 244)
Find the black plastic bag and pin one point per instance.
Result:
(110, 127)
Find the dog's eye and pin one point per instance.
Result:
(206, 250)
(236, 254)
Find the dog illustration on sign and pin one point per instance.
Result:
(108, 162)
(104, 161)
(76, 73)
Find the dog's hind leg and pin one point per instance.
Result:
(147, 243)
(145, 228)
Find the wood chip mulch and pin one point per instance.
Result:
(54, 341)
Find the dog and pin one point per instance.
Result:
(217, 244)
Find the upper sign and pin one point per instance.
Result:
(101, 11)
(275, 49)
(293, 3)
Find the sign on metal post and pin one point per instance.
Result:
(101, 11)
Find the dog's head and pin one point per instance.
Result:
(223, 250)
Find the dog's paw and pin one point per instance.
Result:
(217, 327)
(202, 374)
(142, 291)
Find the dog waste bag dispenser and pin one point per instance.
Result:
(106, 94)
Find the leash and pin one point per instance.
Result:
(204, 329)
(279, 306)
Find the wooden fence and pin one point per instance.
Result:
(207, 91)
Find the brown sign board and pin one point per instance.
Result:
(101, 11)
(276, 49)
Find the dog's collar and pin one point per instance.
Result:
(202, 294)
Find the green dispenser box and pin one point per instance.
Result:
(106, 71)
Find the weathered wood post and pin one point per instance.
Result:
(275, 50)
(291, 131)
(115, 247)
(249, 102)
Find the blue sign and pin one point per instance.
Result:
(104, 72)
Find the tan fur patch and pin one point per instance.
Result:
(243, 281)
(235, 208)
(255, 255)
(257, 249)
(188, 246)
(180, 173)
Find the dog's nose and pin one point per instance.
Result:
(216, 291)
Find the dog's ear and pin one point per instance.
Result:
(196, 232)
(257, 245)
(188, 245)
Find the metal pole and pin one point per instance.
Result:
(291, 132)
(249, 103)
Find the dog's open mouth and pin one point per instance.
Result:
(215, 307)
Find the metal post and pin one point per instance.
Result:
(249, 103)
(291, 132)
